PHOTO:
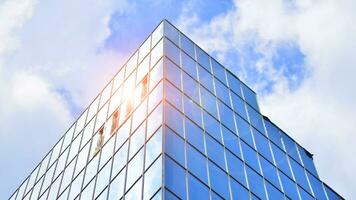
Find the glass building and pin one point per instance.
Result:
(173, 123)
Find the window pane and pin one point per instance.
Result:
(120, 159)
(231, 141)
(239, 105)
(102, 179)
(188, 65)
(203, 58)
(192, 110)
(212, 126)
(173, 119)
(187, 45)
(191, 88)
(144, 49)
(117, 186)
(234, 83)
(76, 186)
(137, 140)
(153, 148)
(197, 190)
(256, 183)
(157, 53)
(135, 192)
(197, 164)
(289, 186)
(172, 73)
(175, 178)
(273, 193)
(215, 151)
(269, 172)
(250, 156)
(250, 96)
(82, 159)
(219, 180)
(244, 130)
(153, 179)
(155, 97)
(171, 51)
(171, 32)
(173, 95)
(154, 121)
(156, 75)
(206, 79)
(299, 174)
(236, 168)
(174, 146)
(134, 169)
(219, 71)
(194, 135)
(226, 116)
(262, 145)
(255, 119)
(238, 191)
(208, 101)
(281, 160)
(222, 92)
(157, 34)
(91, 170)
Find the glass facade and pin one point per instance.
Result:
(174, 124)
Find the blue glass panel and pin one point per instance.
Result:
(299, 175)
(256, 183)
(203, 58)
(218, 71)
(226, 116)
(206, 79)
(197, 190)
(239, 105)
(273, 193)
(172, 73)
(153, 148)
(244, 130)
(169, 196)
(188, 65)
(208, 102)
(197, 164)
(273, 133)
(171, 32)
(134, 169)
(304, 195)
(289, 186)
(187, 45)
(173, 118)
(175, 178)
(174, 146)
(219, 180)
(171, 51)
(281, 160)
(250, 156)
(234, 84)
(173, 95)
(236, 168)
(215, 151)
(307, 161)
(255, 119)
(270, 172)
(194, 135)
(317, 187)
(331, 194)
(191, 87)
(222, 92)
(231, 141)
(250, 96)
(212, 126)
(238, 191)
(290, 147)
(262, 145)
(192, 110)
(153, 179)
(215, 196)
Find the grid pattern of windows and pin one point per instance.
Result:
(174, 124)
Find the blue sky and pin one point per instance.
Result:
(297, 55)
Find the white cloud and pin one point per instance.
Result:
(320, 113)
(47, 47)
